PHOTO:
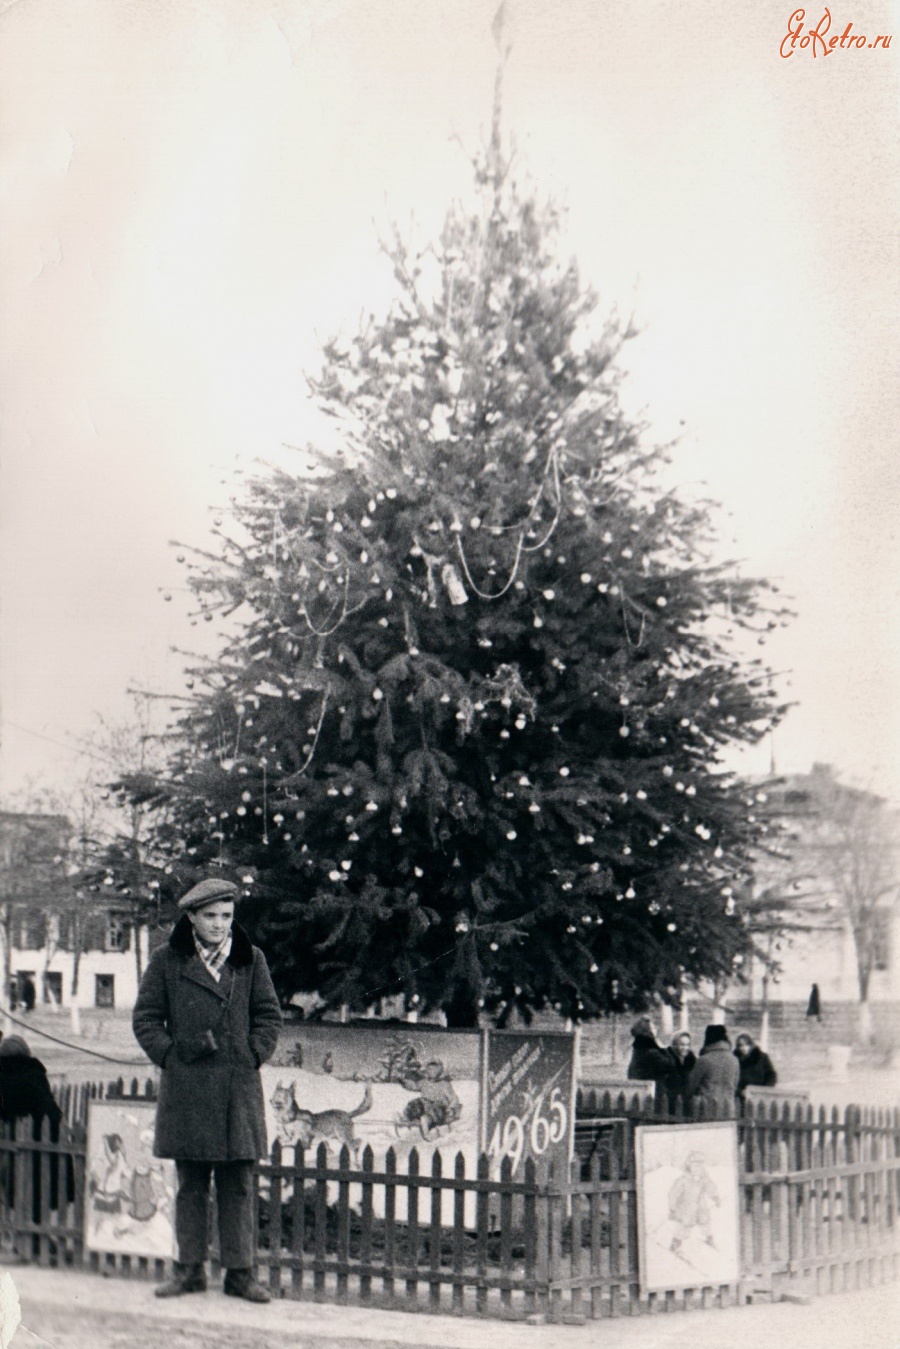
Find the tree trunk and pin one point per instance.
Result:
(865, 1022)
(76, 954)
(864, 970)
(462, 1009)
(5, 929)
(764, 1031)
(719, 1009)
(863, 974)
(764, 1020)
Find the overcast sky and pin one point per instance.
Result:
(191, 194)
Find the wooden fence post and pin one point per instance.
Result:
(576, 1256)
(365, 1233)
(542, 1238)
(320, 1230)
(275, 1224)
(555, 1175)
(390, 1201)
(459, 1234)
(481, 1233)
(506, 1231)
(434, 1233)
(530, 1237)
(342, 1245)
(298, 1220)
(412, 1224)
(595, 1231)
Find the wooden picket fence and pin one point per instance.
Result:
(74, 1098)
(819, 1207)
(42, 1192)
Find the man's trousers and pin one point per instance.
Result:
(234, 1201)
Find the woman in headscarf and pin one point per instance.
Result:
(681, 1061)
(649, 1061)
(756, 1068)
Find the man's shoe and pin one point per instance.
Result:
(186, 1279)
(240, 1283)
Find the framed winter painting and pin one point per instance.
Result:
(129, 1194)
(687, 1205)
(400, 1087)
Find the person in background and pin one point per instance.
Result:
(25, 1093)
(756, 1068)
(28, 995)
(207, 1014)
(681, 1059)
(24, 1086)
(814, 1006)
(649, 1061)
(714, 1077)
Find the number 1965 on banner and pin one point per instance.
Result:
(529, 1089)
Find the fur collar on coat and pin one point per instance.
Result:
(181, 943)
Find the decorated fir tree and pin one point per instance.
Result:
(464, 741)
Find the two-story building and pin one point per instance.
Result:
(60, 945)
(826, 908)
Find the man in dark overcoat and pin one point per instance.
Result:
(208, 1015)
(714, 1077)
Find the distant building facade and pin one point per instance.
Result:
(64, 947)
(802, 895)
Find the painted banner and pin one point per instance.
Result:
(529, 1106)
(130, 1201)
(401, 1086)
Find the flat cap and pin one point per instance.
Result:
(208, 892)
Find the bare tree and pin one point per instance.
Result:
(854, 844)
(832, 865)
(32, 845)
(115, 856)
(98, 843)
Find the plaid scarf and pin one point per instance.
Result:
(214, 957)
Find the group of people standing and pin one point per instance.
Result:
(717, 1076)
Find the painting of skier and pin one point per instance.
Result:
(687, 1193)
(689, 1201)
